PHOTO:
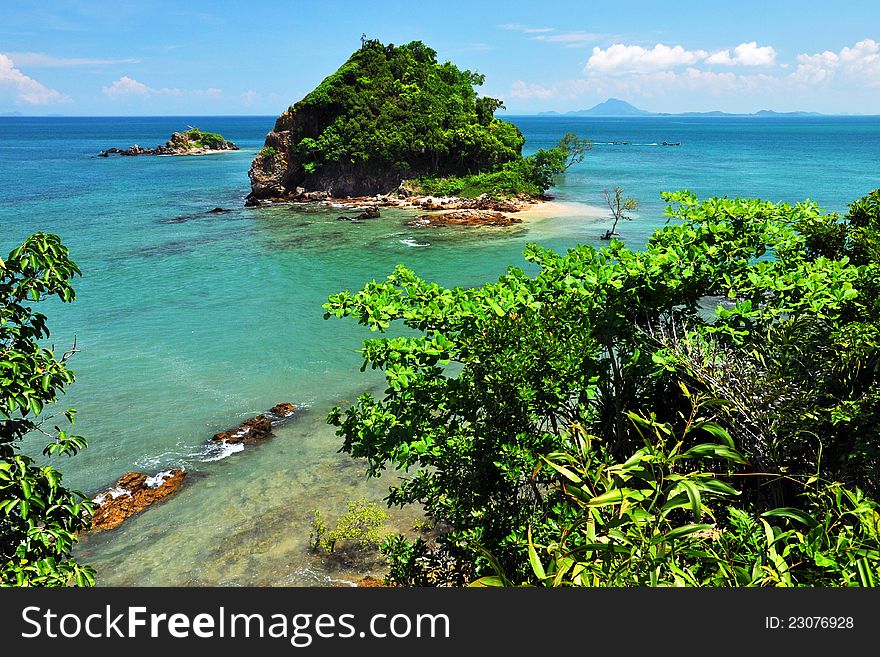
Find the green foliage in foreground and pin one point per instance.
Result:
(39, 517)
(702, 412)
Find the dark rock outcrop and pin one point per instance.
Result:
(132, 493)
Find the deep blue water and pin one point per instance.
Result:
(189, 322)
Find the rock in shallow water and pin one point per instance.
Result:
(132, 493)
(256, 428)
(250, 431)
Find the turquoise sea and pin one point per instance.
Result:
(189, 322)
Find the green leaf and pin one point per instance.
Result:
(718, 487)
(565, 472)
(537, 567)
(615, 496)
(866, 577)
(679, 532)
(792, 514)
(490, 581)
(694, 496)
(718, 431)
(711, 450)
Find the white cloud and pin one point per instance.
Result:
(745, 54)
(528, 29)
(520, 89)
(126, 87)
(673, 73)
(26, 89)
(569, 39)
(42, 60)
(859, 63)
(620, 58)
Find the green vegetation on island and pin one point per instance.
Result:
(394, 113)
(704, 412)
(197, 139)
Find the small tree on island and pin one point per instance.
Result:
(619, 206)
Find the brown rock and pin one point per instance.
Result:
(132, 493)
(250, 431)
(284, 409)
(370, 582)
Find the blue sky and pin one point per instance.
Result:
(258, 57)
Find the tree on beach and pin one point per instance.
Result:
(575, 148)
(619, 206)
(39, 517)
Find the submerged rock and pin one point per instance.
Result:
(132, 493)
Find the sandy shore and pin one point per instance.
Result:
(562, 209)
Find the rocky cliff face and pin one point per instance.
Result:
(278, 173)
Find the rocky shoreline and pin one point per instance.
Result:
(482, 210)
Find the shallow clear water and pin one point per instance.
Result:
(189, 322)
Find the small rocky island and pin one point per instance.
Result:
(191, 142)
(395, 127)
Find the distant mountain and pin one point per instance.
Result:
(611, 107)
(617, 107)
(771, 113)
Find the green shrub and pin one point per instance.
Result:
(362, 523)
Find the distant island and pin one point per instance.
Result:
(393, 123)
(614, 107)
(191, 142)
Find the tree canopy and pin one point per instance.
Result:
(701, 412)
(39, 517)
(394, 113)
(398, 107)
